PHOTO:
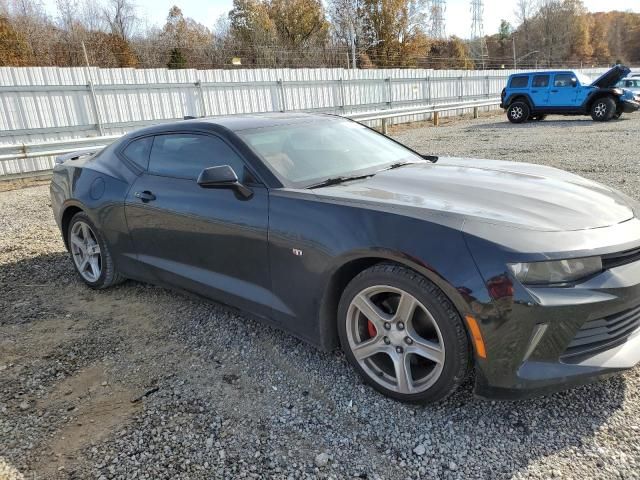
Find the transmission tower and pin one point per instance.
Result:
(437, 10)
(479, 50)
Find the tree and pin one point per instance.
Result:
(505, 31)
(121, 17)
(185, 39)
(176, 59)
(14, 50)
(347, 22)
(395, 31)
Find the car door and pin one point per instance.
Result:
(210, 241)
(563, 92)
(540, 90)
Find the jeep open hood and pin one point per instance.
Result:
(611, 77)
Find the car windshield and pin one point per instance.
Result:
(583, 79)
(305, 154)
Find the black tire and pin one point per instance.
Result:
(603, 109)
(452, 333)
(518, 112)
(108, 274)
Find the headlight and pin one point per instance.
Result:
(557, 271)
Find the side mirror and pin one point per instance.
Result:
(574, 82)
(223, 177)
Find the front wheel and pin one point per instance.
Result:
(603, 109)
(402, 334)
(518, 112)
(90, 253)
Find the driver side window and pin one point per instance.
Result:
(563, 80)
(185, 155)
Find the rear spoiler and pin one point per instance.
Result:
(77, 154)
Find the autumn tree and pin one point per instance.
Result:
(395, 31)
(184, 38)
(14, 50)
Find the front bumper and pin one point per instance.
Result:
(545, 339)
(535, 378)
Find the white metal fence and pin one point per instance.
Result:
(39, 104)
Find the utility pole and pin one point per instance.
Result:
(92, 91)
(353, 45)
(515, 61)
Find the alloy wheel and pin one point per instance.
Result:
(395, 339)
(600, 110)
(85, 251)
(516, 113)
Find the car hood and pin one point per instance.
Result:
(523, 195)
(611, 77)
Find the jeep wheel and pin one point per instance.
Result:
(518, 112)
(603, 109)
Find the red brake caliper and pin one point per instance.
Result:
(371, 329)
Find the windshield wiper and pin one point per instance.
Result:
(336, 180)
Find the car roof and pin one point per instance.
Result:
(542, 72)
(263, 120)
(236, 123)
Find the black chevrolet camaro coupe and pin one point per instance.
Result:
(420, 268)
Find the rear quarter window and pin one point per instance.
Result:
(519, 82)
(138, 152)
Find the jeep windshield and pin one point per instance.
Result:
(583, 79)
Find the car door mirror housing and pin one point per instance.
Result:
(223, 177)
(574, 82)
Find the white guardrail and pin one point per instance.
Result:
(53, 148)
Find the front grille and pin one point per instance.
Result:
(604, 333)
(616, 259)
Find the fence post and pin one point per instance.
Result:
(92, 92)
(283, 104)
(461, 88)
(203, 105)
(436, 119)
(389, 92)
(342, 95)
(488, 86)
(385, 126)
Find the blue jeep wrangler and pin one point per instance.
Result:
(531, 96)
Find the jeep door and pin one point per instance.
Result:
(564, 91)
(540, 90)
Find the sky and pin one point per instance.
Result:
(458, 14)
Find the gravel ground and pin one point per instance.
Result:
(140, 382)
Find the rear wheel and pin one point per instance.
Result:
(402, 334)
(603, 109)
(518, 112)
(90, 253)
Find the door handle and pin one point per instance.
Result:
(554, 91)
(145, 196)
(534, 91)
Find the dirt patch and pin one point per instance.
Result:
(16, 183)
(95, 408)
